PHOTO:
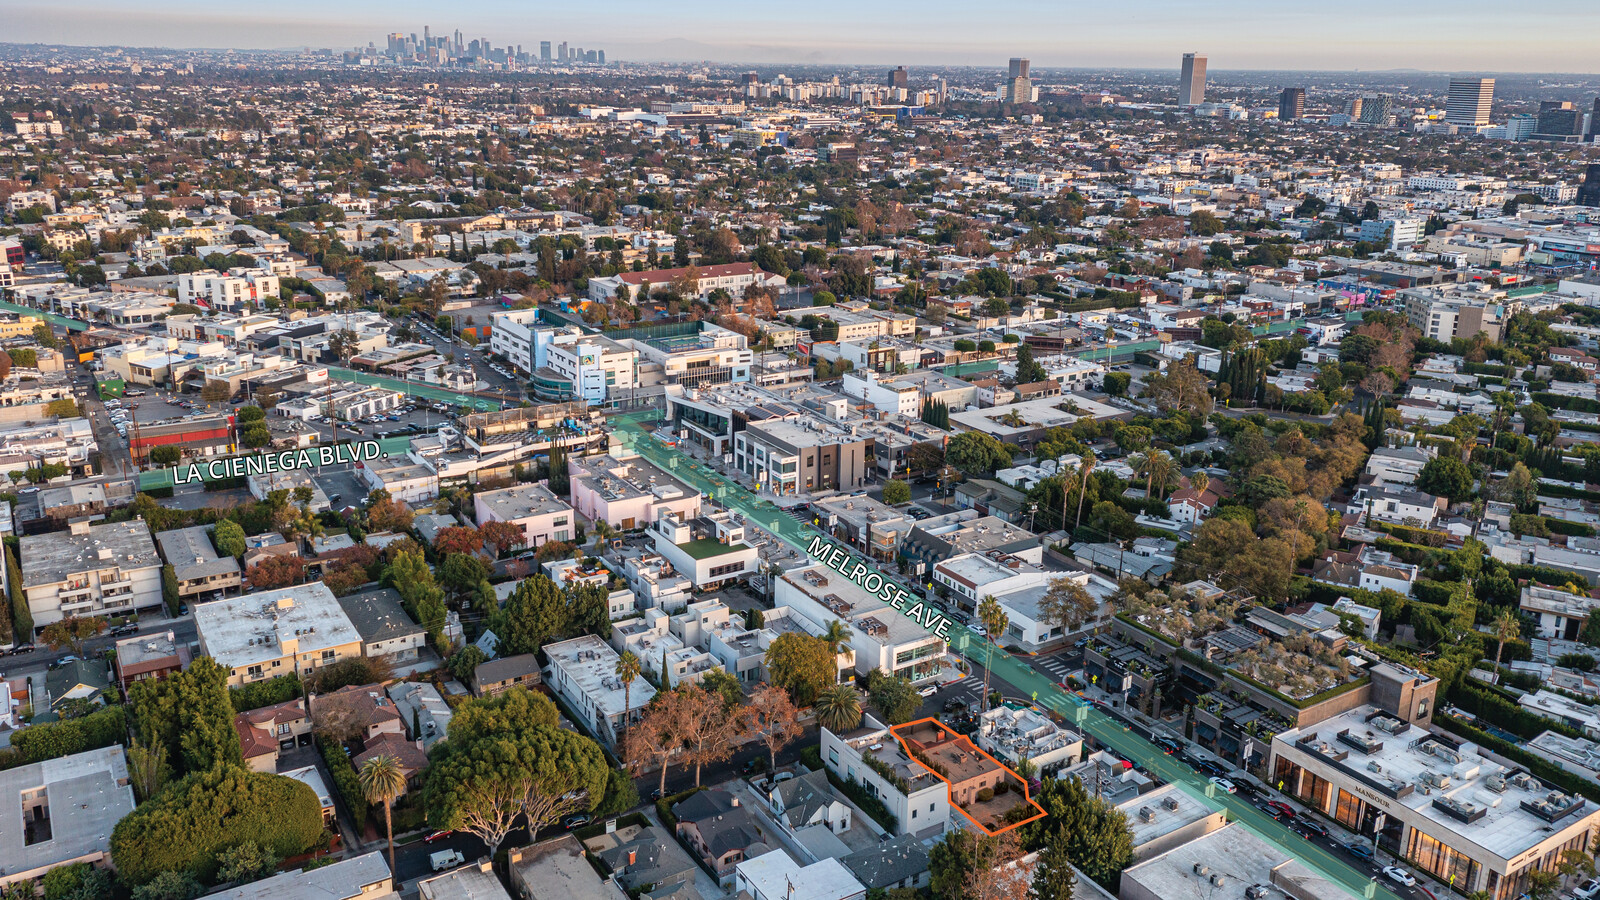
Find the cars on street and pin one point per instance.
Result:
(1308, 827)
(1589, 890)
(576, 820)
(446, 859)
(1222, 784)
(1358, 850)
(1283, 809)
(1399, 876)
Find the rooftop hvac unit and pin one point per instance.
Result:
(1202, 869)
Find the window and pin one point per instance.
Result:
(253, 671)
(328, 655)
(561, 535)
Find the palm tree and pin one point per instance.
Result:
(1161, 469)
(1141, 464)
(995, 620)
(381, 782)
(837, 635)
(602, 532)
(1084, 468)
(627, 670)
(838, 708)
(1507, 627)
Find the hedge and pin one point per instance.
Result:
(54, 740)
(1538, 765)
(345, 780)
(187, 825)
(865, 802)
(1496, 709)
(1560, 401)
(280, 689)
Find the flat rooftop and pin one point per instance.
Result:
(522, 502)
(254, 628)
(52, 558)
(1235, 855)
(1161, 812)
(87, 794)
(845, 600)
(346, 879)
(1499, 809)
(591, 665)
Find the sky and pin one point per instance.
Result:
(1429, 35)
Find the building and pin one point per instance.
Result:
(385, 628)
(149, 656)
(542, 516)
(1376, 109)
(290, 631)
(900, 862)
(106, 569)
(1292, 103)
(1168, 817)
(898, 78)
(1589, 191)
(364, 877)
(880, 636)
(584, 367)
(715, 826)
(1192, 81)
(1440, 802)
(1018, 86)
(61, 811)
(1227, 862)
(708, 550)
(583, 671)
(643, 858)
(918, 800)
(1013, 734)
(475, 881)
(1444, 312)
(628, 492)
(800, 455)
(265, 732)
(1469, 101)
(497, 676)
(1394, 234)
(195, 562)
(698, 281)
(775, 876)
(1561, 614)
(558, 869)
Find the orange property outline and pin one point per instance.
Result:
(1026, 795)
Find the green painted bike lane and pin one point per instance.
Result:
(1107, 731)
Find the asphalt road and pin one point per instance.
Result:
(36, 662)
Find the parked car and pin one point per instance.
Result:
(576, 820)
(1309, 827)
(126, 628)
(1399, 876)
(1283, 809)
(1589, 890)
(1222, 784)
(437, 836)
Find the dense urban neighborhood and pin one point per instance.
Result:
(441, 470)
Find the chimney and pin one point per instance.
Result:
(633, 855)
(735, 801)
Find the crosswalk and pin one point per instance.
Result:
(1052, 666)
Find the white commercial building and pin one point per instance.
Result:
(583, 671)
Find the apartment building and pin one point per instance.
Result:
(590, 368)
(881, 637)
(692, 354)
(583, 671)
(800, 455)
(109, 569)
(1444, 804)
(290, 631)
(875, 759)
(60, 812)
(628, 492)
(1443, 312)
(542, 516)
(708, 550)
(236, 289)
(195, 562)
(700, 281)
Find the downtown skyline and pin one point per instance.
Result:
(1253, 35)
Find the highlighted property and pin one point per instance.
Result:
(991, 796)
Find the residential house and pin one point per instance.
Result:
(558, 869)
(385, 628)
(809, 801)
(149, 656)
(717, 829)
(264, 732)
(289, 631)
(775, 876)
(643, 857)
(500, 675)
(900, 862)
(199, 568)
(583, 673)
(364, 877)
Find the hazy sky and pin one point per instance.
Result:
(1438, 35)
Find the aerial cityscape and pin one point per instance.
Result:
(631, 454)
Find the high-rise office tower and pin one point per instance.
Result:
(544, 50)
(1192, 81)
(458, 41)
(602, 59)
(427, 36)
(1558, 119)
(563, 55)
(1377, 109)
(1018, 87)
(1594, 121)
(1469, 101)
(1352, 107)
(898, 78)
(1292, 103)
(1019, 68)
(1589, 191)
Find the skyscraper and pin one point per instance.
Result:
(544, 50)
(1594, 120)
(1018, 87)
(1192, 81)
(1589, 191)
(1558, 119)
(898, 77)
(1292, 103)
(1469, 101)
(1377, 109)
(563, 55)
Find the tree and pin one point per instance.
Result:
(169, 886)
(560, 482)
(896, 492)
(381, 781)
(535, 612)
(245, 863)
(712, 730)
(895, 698)
(950, 861)
(275, 572)
(1054, 879)
(1181, 388)
(977, 453)
(193, 822)
(458, 539)
(1116, 383)
(463, 663)
(147, 769)
(627, 671)
(63, 409)
(166, 456)
(502, 536)
(228, 537)
(658, 736)
(994, 619)
(190, 715)
(79, 881)
(839, 708)
(802, 665)
(389, 514)
(1446, 476)
(1507, 627)
(1028, 371)
(774, 720)
(462, 572)
(1089, 832)
(72, 632)
(1067, 605)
